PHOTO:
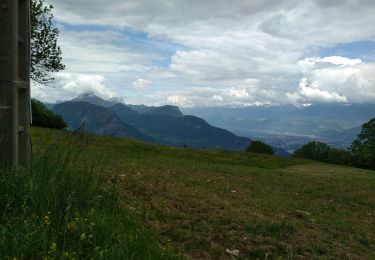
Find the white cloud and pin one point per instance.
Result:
(221, 45)
(306, 93)
(68, 86)
(314, 62)
(217, 98)
(179, 101)
(141, 84)
(336, 79)
(238, 93)
(338, 60)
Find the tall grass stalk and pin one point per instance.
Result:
(61, 208)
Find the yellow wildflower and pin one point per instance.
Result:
(47, 219)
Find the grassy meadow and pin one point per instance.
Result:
(108, 198)
(65, 208)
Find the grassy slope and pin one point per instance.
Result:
(63, 208)
(202, 202)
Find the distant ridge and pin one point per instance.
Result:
(181, 130)
(165, 111)
(98, 120)
(91, 98)
(163, 125)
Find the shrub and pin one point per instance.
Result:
(43, 117)
(338, 156)
(259, 147)
(314, 151)
(322, 152)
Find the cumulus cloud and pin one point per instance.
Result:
(335, 79)
(306, 93)
(227, 52)
(68, 86)
(311, 63)
(141, 84)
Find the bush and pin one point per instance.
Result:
(314, 151)
(338, 156)
(259, 147)
(43, 117)
(324, 153)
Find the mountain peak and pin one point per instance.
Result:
(90, 97)
(87, 93)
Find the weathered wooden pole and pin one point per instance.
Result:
(15, 144)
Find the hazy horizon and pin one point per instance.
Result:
(122, 100)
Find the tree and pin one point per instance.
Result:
(314, 151)
(259, 147)
(363, 148)
(46, 56)
(322, 152)
(43, 117)
(339, 156)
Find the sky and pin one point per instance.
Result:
(216, 52)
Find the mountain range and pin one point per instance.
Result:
(97, 119)
(165, 125)
(284, 127)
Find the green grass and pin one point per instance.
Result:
(197, 203)
(63, 208)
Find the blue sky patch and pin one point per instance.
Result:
(134, 39)
(364, 50)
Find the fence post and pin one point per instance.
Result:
(15, 147)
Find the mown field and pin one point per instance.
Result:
(198, 203)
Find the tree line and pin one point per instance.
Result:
(361, 153)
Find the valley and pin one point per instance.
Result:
(289, 126)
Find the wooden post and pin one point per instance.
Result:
(15, 147)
